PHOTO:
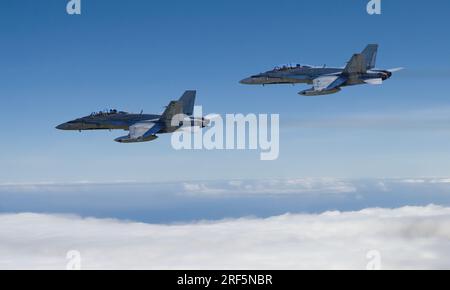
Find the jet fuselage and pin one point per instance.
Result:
(106, 121)
(306, 75)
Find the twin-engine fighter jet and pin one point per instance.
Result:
(143, 127)
(327, 80)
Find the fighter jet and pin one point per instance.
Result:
(143, 127)
(327, 80)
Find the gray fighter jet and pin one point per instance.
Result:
(327, 80)
(142, 127)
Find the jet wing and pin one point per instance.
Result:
(144, 130)
(328, 82)
(141, 132)
(325, 85)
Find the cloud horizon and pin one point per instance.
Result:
(405, 238)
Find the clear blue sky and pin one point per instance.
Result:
(134, 55)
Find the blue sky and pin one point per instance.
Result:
(366, 169)
(141, 54)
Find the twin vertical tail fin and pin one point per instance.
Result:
(188, 102)
(173, 109)
(184, 106)
(356, 65)
(370, 54)
(361, 62)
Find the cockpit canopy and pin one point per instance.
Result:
(106, 113)
(290, 66)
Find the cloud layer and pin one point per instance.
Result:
(215, 200)
(270, 186)
(408, 237)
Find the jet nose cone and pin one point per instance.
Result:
(246, 81)
(63, 126)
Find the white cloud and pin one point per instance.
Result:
(231, 187)
(50, 186)
(267, 186)
(427, 180)
(271, 186)
(413, 181)
(409, 237)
